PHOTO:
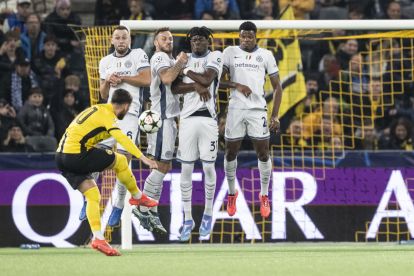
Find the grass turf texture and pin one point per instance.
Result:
(205, 259)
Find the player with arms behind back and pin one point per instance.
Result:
(128, 69)
(247, 66)
(198, 136)
(78, 157)
(161, 145)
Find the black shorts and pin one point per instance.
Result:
(77, 167)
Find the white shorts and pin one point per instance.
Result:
(129, 125)
(161, 144)
(252, 122)
(198, 139)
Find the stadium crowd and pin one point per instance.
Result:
(43, 83)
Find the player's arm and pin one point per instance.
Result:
(204, 79)
(169, 75)
(225, 83)
(142, 79)
(277, 99)
(179, 87)
(104, 89)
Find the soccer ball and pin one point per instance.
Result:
(150, 121)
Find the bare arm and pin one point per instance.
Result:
(179, 87)
(104, 89)
(277, 99)
(142, 79)
(205, 79)
(224, 84)
(169, 75)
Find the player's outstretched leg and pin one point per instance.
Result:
(116, 213)
(124, 174)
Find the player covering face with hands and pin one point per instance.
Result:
(246, 66)
(78, 157)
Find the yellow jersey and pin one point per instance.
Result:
(91, 126)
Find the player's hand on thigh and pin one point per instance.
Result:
(244, 89)
(274, 124)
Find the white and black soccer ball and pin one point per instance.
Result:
(150, 121)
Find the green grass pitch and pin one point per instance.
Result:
(288, 259)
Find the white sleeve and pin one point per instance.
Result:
(160, 60)
(226, 58)
(143, 61)
(215, 61)
(102, 73)
(270, 64)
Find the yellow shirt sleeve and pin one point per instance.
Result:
(125, 142)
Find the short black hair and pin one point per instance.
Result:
(121, 28)
(121, 96)
(200, 31)
(161, 30)
(248, 26)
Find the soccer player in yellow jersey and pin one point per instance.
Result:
(77, 158)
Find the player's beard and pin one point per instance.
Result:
(122, 51)
(121, 115)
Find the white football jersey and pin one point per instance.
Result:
(128, 65)
(199, 64)
(162, 100)
(250, 69)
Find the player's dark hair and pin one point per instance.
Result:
(161, 30)
(121, 28)
(121, 96)
(248, 26)
(200, 31)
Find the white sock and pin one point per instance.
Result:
(186, 186)
(153, 187)
(98, 235)
(121, 191)
(265, 169)
(137, 195)
(209, 186)
(230, 170)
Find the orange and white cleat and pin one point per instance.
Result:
(231, 204)
(143, 201)
(264, 206)
(104, 247)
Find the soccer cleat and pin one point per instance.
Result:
(115, 217)
(231, 204)
(264, 205)
(156, 223)
(82, 214)
(104, 247)
(143, 201)
(186, 229)
(205, 226)
(144, 218)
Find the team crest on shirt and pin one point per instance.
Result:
(259, 59)
(128, 64)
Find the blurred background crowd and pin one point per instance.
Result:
(43, 84)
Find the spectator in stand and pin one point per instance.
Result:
(138, 12)
(50, 66)
(33, 38)
(329, 71)
(15, 141)
(345, 52)
(366, 138)
(313, 97)
(15, 21)
(16, 85)
(221, 11)
(57, 23)
(393, 11)
(401, 135)
(67, 112)
(202, 6)
(301, 8)
(10, 52)
(34, 118)
(73, 84)
(7, 117)
(265, 10)
(109, 12)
